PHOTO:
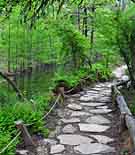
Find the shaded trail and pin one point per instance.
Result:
(88, 124)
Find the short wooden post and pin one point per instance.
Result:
(61, 91)
(28, 142)
(122, 122)
(113, 95)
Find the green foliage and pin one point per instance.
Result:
(106, 31)
(126, 38)
(26, 111)
(50, 42)
(75, 46)
(5, 137)
(126, 28)
(72, 79)
(101, 72)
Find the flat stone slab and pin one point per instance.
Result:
(102, 139)
(99, 91)
(98, 119)
(89, 95)
(72, 120)
(97, 98)
(50, 141)
(87, 98)
(76, 95)
(74, 107)
(57, 149)
(106, 92)
(102, 107)
(64, 112)
(93, 148)
(100, 111)
(73, 140)
(69, 129)
(106, 98)
(22, 152)
(80, 113)
(93, 90)
(92, 127)
(100, 100)
(92, 104)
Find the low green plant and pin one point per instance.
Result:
(71, 79)
(26, 111)
(132, 108)
(5, 138)
(101, 72)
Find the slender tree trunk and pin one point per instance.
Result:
(92, 33)
(127, 61)
(10, 82)
(92, 26)
(9, 50)
(132, 49)
(85, 22)
(78, 18)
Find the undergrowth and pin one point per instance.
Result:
(98, 72)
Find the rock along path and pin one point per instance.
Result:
(88, 125)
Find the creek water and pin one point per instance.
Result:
(31, 84)
(37, 83)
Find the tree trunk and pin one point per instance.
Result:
(132, 49)
(93, 28)
(127, 61)
(86, 22)
(9, 44)
(16, 89)
(78, 18)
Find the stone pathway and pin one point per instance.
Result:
(88, 125)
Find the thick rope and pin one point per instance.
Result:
(56, 101)
(51, 108)
(19, 133)
(10, 143)
(69, 91)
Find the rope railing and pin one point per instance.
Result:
(10, 143)
(69, 91)
(53, 106)
(19, 133)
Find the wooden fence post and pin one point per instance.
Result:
(28, 142)
(122, 122)
(113, 95)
